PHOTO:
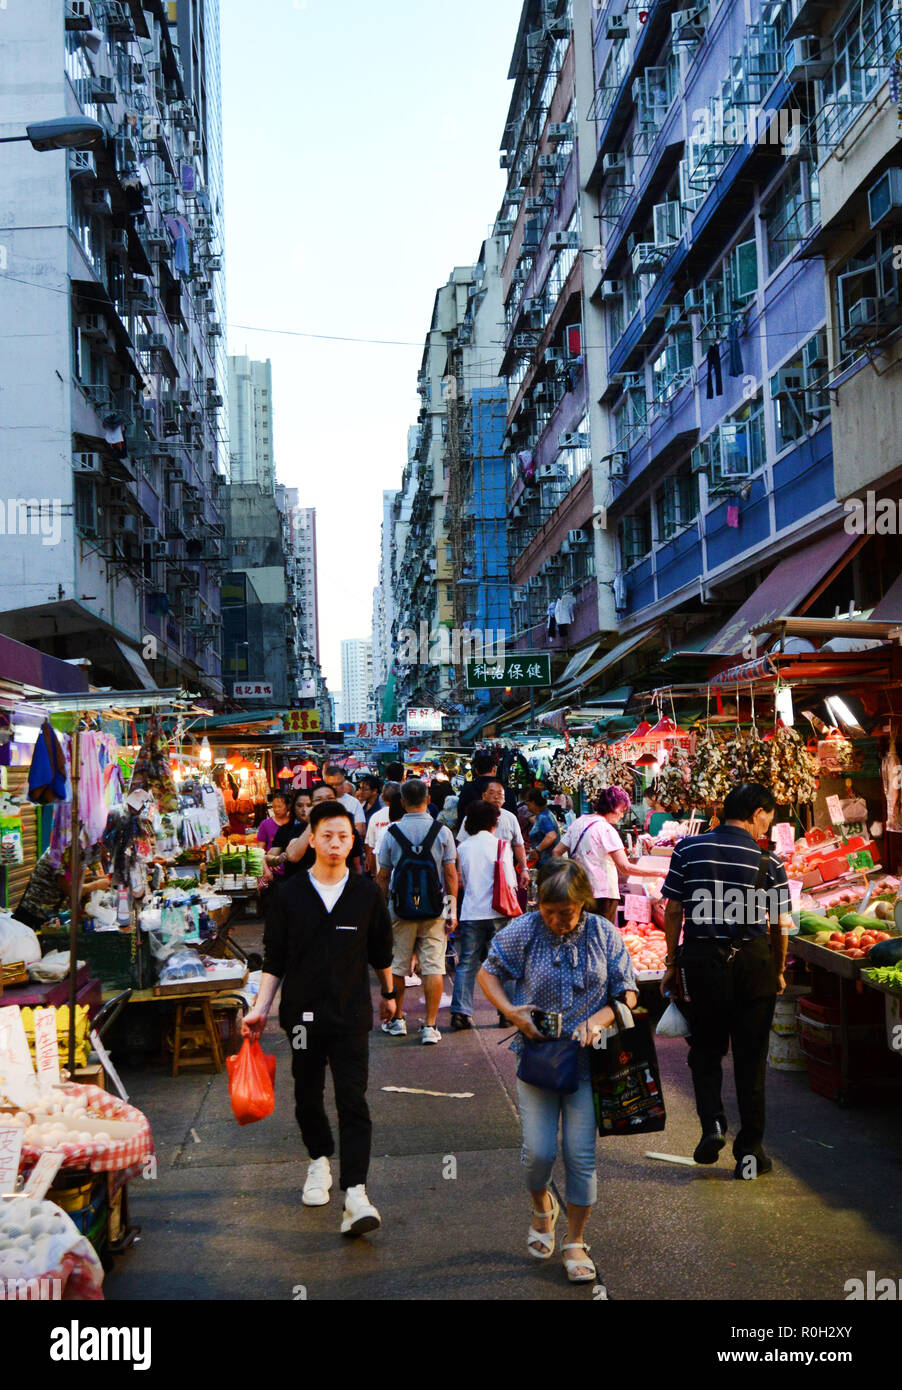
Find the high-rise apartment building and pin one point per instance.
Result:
(304, 542)
(356, 678)
(251, 445)
(384, 604)
(108, 338)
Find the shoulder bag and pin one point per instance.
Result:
(504, 899)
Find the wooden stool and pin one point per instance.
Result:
(202, 1035)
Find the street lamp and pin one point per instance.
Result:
(64, 133)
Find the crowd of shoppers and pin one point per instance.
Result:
(399, 874)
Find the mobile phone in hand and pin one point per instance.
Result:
(547, 1022)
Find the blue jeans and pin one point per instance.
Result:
(541, 1113)
(471, 937)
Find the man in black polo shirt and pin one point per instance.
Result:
(731, 902)
(324, 927)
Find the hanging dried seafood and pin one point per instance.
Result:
(672, 782)
(709, 781)
(793, 771)
(588, 767)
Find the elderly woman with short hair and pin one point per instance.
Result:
(568, 960)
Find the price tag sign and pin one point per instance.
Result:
(861, 859)
(835, 811)
(784, 837)
(46, 1047)
(42, 1174)
(636, 908)
(15, 1056)
(10, 1153)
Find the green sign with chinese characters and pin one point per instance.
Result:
(524, 669)
(861, 859)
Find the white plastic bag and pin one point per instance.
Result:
(17, 942)
(672, 1023)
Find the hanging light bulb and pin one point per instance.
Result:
(205, 756)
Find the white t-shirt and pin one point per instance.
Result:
(508, 828)
(476, 861)
(353, 805)
(330, 892)
(601, 840)
(376, 828)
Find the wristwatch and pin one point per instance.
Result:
(389, 994)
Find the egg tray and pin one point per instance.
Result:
(130, 1141)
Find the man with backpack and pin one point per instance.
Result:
(418, 874)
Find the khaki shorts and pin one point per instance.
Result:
(428, 939)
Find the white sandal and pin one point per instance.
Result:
(571, 1266)
(544, 1238)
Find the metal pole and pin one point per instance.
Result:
(74, 895)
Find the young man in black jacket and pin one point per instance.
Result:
(324, 928)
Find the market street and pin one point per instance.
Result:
(224, 1217)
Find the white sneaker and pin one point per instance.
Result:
(319, 1181)
(429, 1035)
(396, 1027)
(359, 1215)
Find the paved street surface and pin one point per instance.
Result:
(224, 1219)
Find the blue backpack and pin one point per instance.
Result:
(416, 889)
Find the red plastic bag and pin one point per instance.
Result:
(252, 1073)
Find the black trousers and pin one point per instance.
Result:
(730, 1002)
(347, 1055)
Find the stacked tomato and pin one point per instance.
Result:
(855, 944)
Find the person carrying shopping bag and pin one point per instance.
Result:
(484, 863)
(560, 967)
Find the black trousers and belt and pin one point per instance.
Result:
(347, 1055)
(731, 992)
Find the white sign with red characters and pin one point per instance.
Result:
(46, 1047)
(636, 908)
(252, 690)
(10, 1152)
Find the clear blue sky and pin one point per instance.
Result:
(361, 165)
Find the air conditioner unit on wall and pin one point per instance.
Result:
(885, 198)
(806, 59)
(87, 463)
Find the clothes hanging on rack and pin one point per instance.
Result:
(92, 805)
(715, 376)
(552, 621)
(47, 780)
(733, 515)
(619, 593)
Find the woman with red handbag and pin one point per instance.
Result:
(489, 885)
